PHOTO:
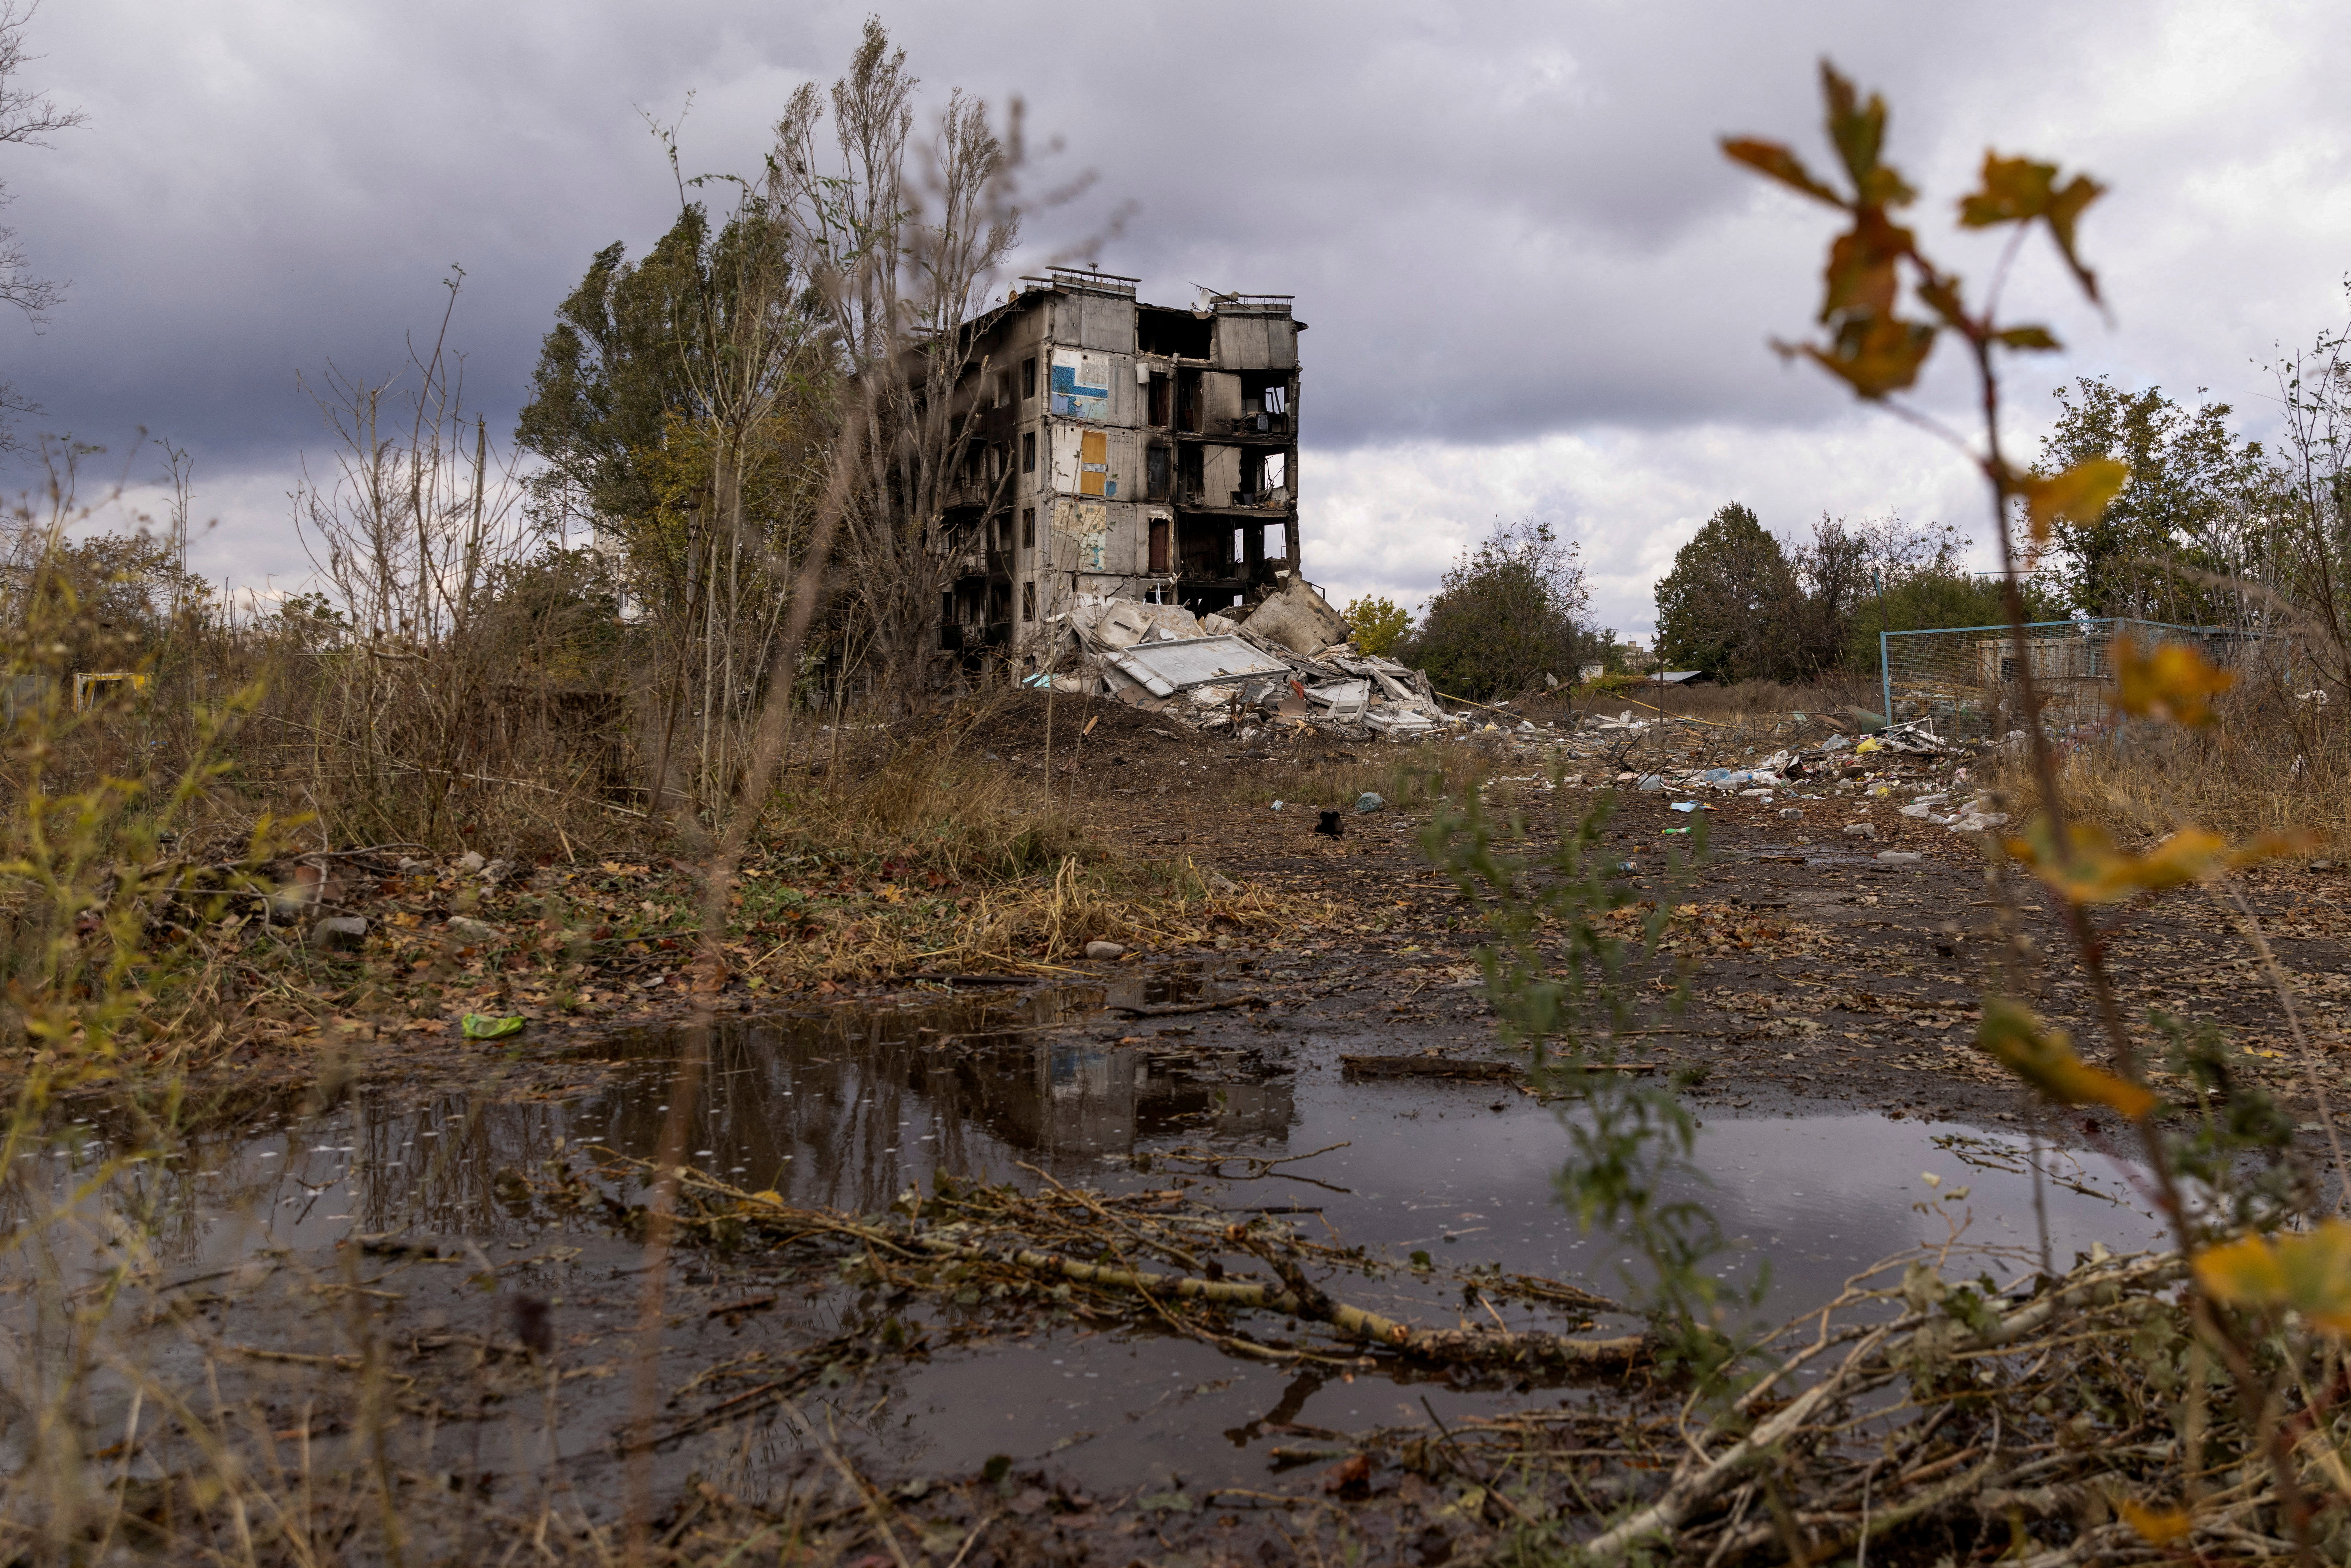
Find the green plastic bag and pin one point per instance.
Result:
(481, 1026)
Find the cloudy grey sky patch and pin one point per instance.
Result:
(1534, 285)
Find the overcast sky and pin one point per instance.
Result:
(1535, 289)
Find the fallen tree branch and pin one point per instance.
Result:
(1475, 1345)
(1174, 1008)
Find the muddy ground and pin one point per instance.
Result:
(1816, 967)
(1831, 994)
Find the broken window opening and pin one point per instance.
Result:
(1158, 544)
(1004, 390)
(1028, 450)
(1028, 380)
(1154, 473)
(1027, 527)
(1265, 400)
(1163, 400)
(1029, 598)
(1180, 334)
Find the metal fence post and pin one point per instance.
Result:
(1885, 673)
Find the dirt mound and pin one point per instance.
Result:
(1011, 723)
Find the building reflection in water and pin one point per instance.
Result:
(841, 1110)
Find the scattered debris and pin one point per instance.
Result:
(343, 931)
(467, 932)
(1288, 662)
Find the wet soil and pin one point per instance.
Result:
(406, 1217)
(1827, 1042)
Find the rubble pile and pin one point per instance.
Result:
(1627, 751)
(1291, 663)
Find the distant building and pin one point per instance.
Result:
(1151, 453)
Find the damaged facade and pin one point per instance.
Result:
(1127, 521)
(1119, 451)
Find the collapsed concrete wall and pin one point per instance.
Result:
(1212, 672)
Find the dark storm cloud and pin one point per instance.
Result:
(1507, 222)
(1495, 217)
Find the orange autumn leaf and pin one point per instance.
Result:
(2079, 495)
(1775, 162)
(2090, 870)
(1857, 129)
(2155, 1526)
(1872, 354)
(2168, 680)
(2307, 1272)
(2044, 1057)
(2020, 191)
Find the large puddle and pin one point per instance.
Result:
(847, 1111)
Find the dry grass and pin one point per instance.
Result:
(1033, 883)
(2266, 763)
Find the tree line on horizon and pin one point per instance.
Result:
(2211, 529)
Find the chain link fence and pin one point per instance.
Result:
(1965, 680)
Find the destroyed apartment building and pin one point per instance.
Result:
(1146, 544)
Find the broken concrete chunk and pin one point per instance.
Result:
(1861, 829)
(1369, 801)
(1791, 813)
(1299, 620)
(1165, 668)
(340, 931)
(1104, 950)
(471, 862)
(469, 932)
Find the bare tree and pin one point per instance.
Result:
(901, 263)
(408, 532)
(27, 120)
